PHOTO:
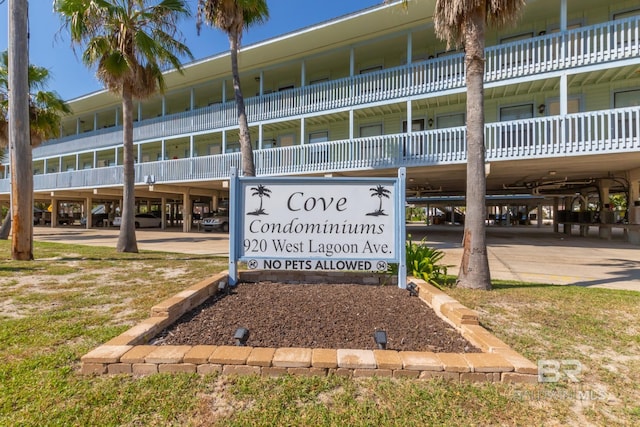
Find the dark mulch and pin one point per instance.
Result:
(317, 316)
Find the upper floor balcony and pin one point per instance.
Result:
(583, 134)
(600, 46)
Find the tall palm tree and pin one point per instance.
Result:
(463, 23)
(129, 42)
(45, 111)
(19, 144)
(232, 17)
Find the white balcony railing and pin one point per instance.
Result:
(592, 133)
(595, 44)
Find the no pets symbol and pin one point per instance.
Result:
(382, 265)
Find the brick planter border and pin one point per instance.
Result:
(129, 352)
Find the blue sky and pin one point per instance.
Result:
(50, 48)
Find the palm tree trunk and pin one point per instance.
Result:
(19, 141)
(474, 268)
(127, 238)
(248, 167)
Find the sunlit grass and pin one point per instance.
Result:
(74, 298)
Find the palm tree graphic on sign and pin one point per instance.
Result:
(260, 191)
(379, 192)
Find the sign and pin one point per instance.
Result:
(331, 224)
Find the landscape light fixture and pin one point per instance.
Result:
(241, 336)
(381, 339)
(413, 289)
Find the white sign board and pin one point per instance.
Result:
(354, 224)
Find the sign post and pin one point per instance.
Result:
(310, 224)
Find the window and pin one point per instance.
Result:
(370, 130)
(318, 137)
(450, 121)
(320, 80)
(369, 86)
(626, 14)
(288, 156)
(413, 145)
(372, 147)
(371, 69)
(516, 112)
(416, 125)
(318, 154)
(627, 125)
(233, 147)
(627, 98)
(269, 143)
(516, 135)
(450, 141)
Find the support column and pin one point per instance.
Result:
(584, 229)
(556, 226)
(54, 212)
(186, 212)
(633, 177)
(89, 202)
(540, 215)
(215, 202)
(163, 212)
(568, 204)
(606, 213)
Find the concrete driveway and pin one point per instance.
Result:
(525, 254)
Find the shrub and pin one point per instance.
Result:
(423, 262)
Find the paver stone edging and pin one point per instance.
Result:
(129, 352)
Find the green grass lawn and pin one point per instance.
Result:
(73, 298)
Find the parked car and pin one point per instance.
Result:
(143, 220)
(217, 222)
(97, 220)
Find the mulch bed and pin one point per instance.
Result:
(317, 316)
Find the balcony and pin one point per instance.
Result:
(586, 46)
(593, 133)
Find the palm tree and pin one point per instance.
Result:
(463, 23)
(18, 130)
(129, 42)
(45, 111)
(232, 17)
(380, 192)
(260, 191)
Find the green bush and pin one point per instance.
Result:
(423, 263)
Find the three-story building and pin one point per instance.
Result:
(366, 93)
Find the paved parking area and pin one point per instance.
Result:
(526, 254)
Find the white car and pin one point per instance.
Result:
(143, 220)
